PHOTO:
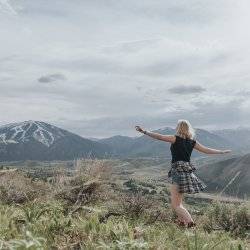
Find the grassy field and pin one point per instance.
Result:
(110, 204)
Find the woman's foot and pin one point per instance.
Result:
(185, 224)
(180, 222)
(191, 224)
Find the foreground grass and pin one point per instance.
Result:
(45, 226)
(87, 211)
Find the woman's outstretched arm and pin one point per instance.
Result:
(207, 150)
(167, 138)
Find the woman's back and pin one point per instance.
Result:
(182, 149)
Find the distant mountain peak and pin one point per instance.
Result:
(30, 130)
(37, 140)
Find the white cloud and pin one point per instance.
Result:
(6, 7)
(121, 60)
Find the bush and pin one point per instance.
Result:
(147, 184)
(15, 187)
(135, 187)
(135, 204)
(88, 184)
(165, 190)
(80, 195)
(228, 217)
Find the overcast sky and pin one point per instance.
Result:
(98, 68)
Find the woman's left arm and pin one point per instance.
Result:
(198, 146)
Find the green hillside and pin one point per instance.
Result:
(229, 176)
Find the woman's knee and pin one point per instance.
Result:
(173, 205)
(176, 197)
(176, 202)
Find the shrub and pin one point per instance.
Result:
(16, 187)
(79, 195)
(87, 184)
(147, 184)
(135, 187)
(135, 204)
(228, 217)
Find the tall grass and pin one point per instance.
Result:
(87, 211)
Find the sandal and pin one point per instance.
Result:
(180, 222)
(191, 224)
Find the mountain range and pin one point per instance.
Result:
(37, 140)
(143, 146)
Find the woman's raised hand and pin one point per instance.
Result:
(226, 151)
(138, 128)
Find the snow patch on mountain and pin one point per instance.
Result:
(30, 130)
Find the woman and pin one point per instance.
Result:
(183, 179)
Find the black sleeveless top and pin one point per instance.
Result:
(182, 149)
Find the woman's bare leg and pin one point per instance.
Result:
(176, 203)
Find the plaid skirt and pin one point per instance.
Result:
(182, 174)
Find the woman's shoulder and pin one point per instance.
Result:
(177, 137)
(193, 138)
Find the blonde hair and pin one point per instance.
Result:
(184, 129)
